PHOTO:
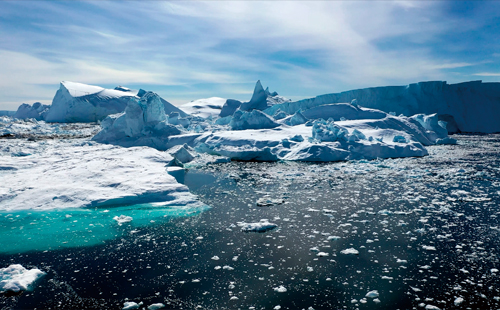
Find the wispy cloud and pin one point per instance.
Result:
(487, 74)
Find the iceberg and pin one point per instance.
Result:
(296, 119)
(77, 102)
(229, 108)
(36, 111)
(144, 123)
(254, 119)
(467, 107)
(262, 99)
(205, 107)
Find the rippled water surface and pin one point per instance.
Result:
(385, 234)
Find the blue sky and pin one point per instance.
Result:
(186, 50)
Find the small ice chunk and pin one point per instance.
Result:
(322, 254)
(431, 307)
(372, 294)
(215, 257)
(333, 238)
(458, 301)
(429, 248)
(266, 201)
(17, 278)
(122, 219)
(262, 226)
(156, 306)
(280, 289)
(130, 305)
(350, 251)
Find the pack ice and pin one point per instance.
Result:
(248, 131)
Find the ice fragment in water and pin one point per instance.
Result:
(262, 226)
(122, 219)
(156, 306)
(372, 294)
(16, 278)
(350, 251)
(280, 289)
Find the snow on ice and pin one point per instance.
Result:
(16, 278)
(76, 173)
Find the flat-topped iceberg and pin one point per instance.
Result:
(468, 107)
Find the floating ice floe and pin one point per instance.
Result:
(372, 294)
(130, 305)
(350, 251)
(280, 289)
(16, 278)
(156, 306)
(261, 226)
(122, 219)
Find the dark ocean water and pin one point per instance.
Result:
(425, 230)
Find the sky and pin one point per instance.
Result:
(187, 50)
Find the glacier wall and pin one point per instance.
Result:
(470, 106)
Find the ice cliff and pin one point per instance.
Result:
(468, 107)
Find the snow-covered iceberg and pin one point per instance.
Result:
(468, 107)
(77, 102)
(210, 107)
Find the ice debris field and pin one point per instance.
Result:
(102, 165)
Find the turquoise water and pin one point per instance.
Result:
(24, 231)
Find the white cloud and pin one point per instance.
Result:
(493, 74)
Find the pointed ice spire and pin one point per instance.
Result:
(258, 92)
(258, 100)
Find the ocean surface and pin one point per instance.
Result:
(407, 233)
